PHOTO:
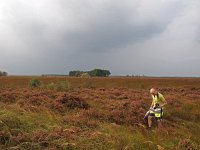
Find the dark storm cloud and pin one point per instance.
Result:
(116, 27)
(55, 36)
(108, 36)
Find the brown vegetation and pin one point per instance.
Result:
(107, 115)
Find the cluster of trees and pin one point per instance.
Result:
(92, 73)
(3, 73)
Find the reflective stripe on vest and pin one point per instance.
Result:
(157, 99)
(157, 112)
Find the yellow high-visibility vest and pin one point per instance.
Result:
(158, 99)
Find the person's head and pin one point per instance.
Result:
(153, 91)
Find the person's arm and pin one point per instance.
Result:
(164, 102)
(151, 105)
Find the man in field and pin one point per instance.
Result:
(156, 107)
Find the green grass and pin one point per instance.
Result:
(26, 121)
(105, 136)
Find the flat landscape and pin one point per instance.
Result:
(97, 113)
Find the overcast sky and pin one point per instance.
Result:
(151, 37)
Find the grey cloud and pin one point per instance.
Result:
(105, 29)
(116, 27)
(59, 35)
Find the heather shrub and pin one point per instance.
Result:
(35, 83)
(62, 86)
(50, 86)
(65, 102)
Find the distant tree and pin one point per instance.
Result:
(3, 73)
(106, 73)
(92, 73)
(75, 73)
(99, 73)
(85, 75)
(72, 73)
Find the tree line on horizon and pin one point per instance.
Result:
(92, 73)
(3, 73)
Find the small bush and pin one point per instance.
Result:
(62, 86)
(59, 86)
(34, 83)
(50, 86)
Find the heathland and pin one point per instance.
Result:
(97, 113)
